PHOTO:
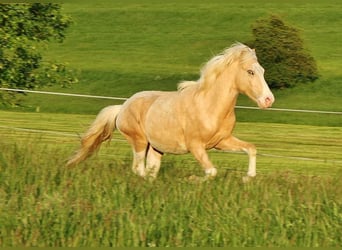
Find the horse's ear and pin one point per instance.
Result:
(252, 50)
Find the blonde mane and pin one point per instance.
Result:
(186, 84)
(218, 64)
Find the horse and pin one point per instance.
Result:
(198, 116)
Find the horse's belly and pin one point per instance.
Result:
(168, 143)
(165, 134)
(164, 124)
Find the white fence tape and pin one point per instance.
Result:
(295, 110)
(123, 99)
(63, 94)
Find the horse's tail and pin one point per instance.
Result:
(100, 130)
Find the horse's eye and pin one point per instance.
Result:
(250, 72)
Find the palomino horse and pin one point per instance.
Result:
(197, 117)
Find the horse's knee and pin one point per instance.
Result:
(250, 149)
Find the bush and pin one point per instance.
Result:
(281, 52)
(23, 29)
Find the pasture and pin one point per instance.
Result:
(292, 201)
(121, 47)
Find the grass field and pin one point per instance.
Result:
(292, 201)
(121, 47)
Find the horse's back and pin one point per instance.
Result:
(133, 111)
(153, 117)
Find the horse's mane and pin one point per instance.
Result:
(218, 63)
(185, 84)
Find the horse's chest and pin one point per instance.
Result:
(212, 135)
(215, 138)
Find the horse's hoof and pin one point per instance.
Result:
(211, 172)
(150, 178)
(247, 179)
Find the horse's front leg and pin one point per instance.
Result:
(234, 144)
(202, 157)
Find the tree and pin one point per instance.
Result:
(24, 28)
(281, 51)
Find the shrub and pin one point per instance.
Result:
(281, 52)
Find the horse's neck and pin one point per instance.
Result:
(221, 96)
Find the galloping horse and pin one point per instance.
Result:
(197, 117)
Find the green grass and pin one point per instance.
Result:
(102, 203)
(120, 48)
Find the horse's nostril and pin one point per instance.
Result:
(268, 101)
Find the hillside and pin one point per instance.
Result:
(119, 48)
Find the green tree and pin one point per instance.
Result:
(23, 29)
(280, 50)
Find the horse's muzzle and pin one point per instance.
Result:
(266, 102)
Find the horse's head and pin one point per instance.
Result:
(250, 79)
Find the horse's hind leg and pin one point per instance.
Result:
(153, 162)
(139, 148)
(138, 165)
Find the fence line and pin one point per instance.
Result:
(63, 94)
(121, 140)
(294, 110)
(123, 99)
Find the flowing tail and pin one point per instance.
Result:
(100, 130)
